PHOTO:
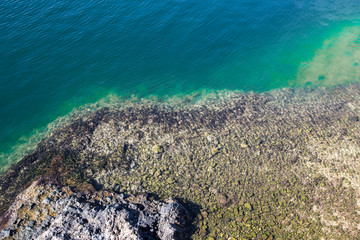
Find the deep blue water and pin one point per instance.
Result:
(57, 55)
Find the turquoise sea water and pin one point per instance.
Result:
(57, 55)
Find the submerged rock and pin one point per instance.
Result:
(158, 149)
(248, 206)
(281, 164)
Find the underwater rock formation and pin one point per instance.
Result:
(282, 164)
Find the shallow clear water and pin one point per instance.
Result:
(57, 55)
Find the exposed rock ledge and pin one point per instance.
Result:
(52, 212)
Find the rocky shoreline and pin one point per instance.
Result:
(276, 165)
(47, 211)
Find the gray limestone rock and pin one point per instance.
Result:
(79, 216)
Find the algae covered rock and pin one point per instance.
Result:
(248, 206)
(222, 199)
(158, 149)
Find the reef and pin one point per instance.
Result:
(277, 165)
